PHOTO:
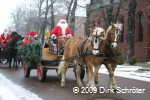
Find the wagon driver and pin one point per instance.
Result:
(61, 29)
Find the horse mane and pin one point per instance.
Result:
(14, 38)
(117, 25)
(108, 30)
(94, 32)
(13, 34)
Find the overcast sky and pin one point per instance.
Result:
(6, 6)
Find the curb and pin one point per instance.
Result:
(144, 69)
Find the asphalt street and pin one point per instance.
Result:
(128, 89)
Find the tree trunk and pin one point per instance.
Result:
(109, 14)
(52, 15)
(131, 29)
(87, 20)
(72, 17)
(45, 21)
(69, 9)
(117, 14)
(39, 16)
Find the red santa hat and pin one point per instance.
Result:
(33, 33)
(13, 29)
(62, 20)
(28, 34)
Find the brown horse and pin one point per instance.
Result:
(93, 47)
(112, 51)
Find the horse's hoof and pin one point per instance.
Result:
(63, 87)
(88, 85)
(80, 85)
(63, 84)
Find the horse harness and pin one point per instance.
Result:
(82, 53)
(105, 55)
(111, 54)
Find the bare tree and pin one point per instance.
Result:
(109, 13)
(17, 17)
(106, 11)
(40, 13)
(39, 6)
(52, 14)
(69, 10)
(44, 24)
(131, 29)
(72, 17)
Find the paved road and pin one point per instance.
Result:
(51, 90)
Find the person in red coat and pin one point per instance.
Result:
(27, 40)
(61, 29)
(33, 35)
(5, 37)
(30, 36)
(1, 44)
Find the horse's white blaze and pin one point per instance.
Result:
(96, 46)
(98, 32)
(114, 44)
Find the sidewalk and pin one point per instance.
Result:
(139, 71)
(144, 64)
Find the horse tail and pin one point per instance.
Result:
(61, 64)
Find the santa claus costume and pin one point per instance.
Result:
(26, 40)
(33, 35)
(61, 29)
(30, 36)
(2, 44)
(5, 37)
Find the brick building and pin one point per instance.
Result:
(142, 25)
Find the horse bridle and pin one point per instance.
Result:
(117, 32)
(96, 39)
(108, 46)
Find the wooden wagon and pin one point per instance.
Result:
(52, 53)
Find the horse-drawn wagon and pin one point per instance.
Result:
(51, 56)
(100, 48)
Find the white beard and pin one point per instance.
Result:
(63, 27)
(5, 33)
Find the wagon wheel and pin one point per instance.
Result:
(26, 70)
(41, 72)
(82, 74)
